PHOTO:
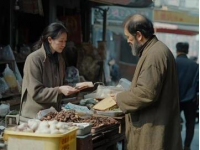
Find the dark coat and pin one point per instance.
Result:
(151, 105)
(40, 83)
(188, 75)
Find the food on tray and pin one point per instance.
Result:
(71, 116)
(100, 121)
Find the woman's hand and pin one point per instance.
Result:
(67, 90)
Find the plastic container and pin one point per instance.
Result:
(34, 141)
(83, 128)
(110, 113)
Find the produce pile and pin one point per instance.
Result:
(44, 127)
(71, 116)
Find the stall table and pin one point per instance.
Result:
(105, 138)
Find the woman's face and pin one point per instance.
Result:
(58, 44)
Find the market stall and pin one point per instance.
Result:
(94, 123)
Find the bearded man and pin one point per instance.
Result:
(151, 104)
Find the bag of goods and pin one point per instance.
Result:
(89, 102)
(10, 78)
(105, 91)
(4, 109)
(3, 86)
(44, 112)
(72, 75)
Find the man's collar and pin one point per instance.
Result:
(144, 45)
(182, 55)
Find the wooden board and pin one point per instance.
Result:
(105, 104)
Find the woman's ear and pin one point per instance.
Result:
(49, 39)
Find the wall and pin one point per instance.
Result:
(180, 4)
(68, 3)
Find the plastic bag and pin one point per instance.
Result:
(4, 109)
(44, 112)
(124, 83)
(105, 91)
(3, 86)
(7, 53)
(72, 75)
(10, 78)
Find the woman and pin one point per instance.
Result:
(44, 69)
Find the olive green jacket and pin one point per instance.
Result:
(151, 105)
(40, 83)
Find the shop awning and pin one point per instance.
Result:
(176, 22)
(176, 29)
(126, 3)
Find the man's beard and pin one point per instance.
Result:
(135, 48)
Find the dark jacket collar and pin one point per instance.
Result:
(182, 56)
(53, 56)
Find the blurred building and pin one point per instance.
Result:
(174, 21)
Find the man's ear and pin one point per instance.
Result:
(139, 36)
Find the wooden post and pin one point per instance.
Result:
(104, 24)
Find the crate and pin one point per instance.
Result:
(34, 141)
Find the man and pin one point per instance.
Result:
(188, 74)
(151, 104)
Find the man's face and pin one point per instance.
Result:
(132, 41)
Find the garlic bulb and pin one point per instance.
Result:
(55, 131)
(62, 130)
(43, 125)
(22, 126)
(52, 122)
(59, 125)
(53, 127)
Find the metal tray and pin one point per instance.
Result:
(110, 113)
(83, 128)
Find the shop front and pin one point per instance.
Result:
(168, 24)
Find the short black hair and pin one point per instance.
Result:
(140, 23)
(182, 47)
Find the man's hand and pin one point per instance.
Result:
(67, 90)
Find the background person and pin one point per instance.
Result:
(188, 74)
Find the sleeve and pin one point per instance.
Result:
(146, 91)
(35, 87)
